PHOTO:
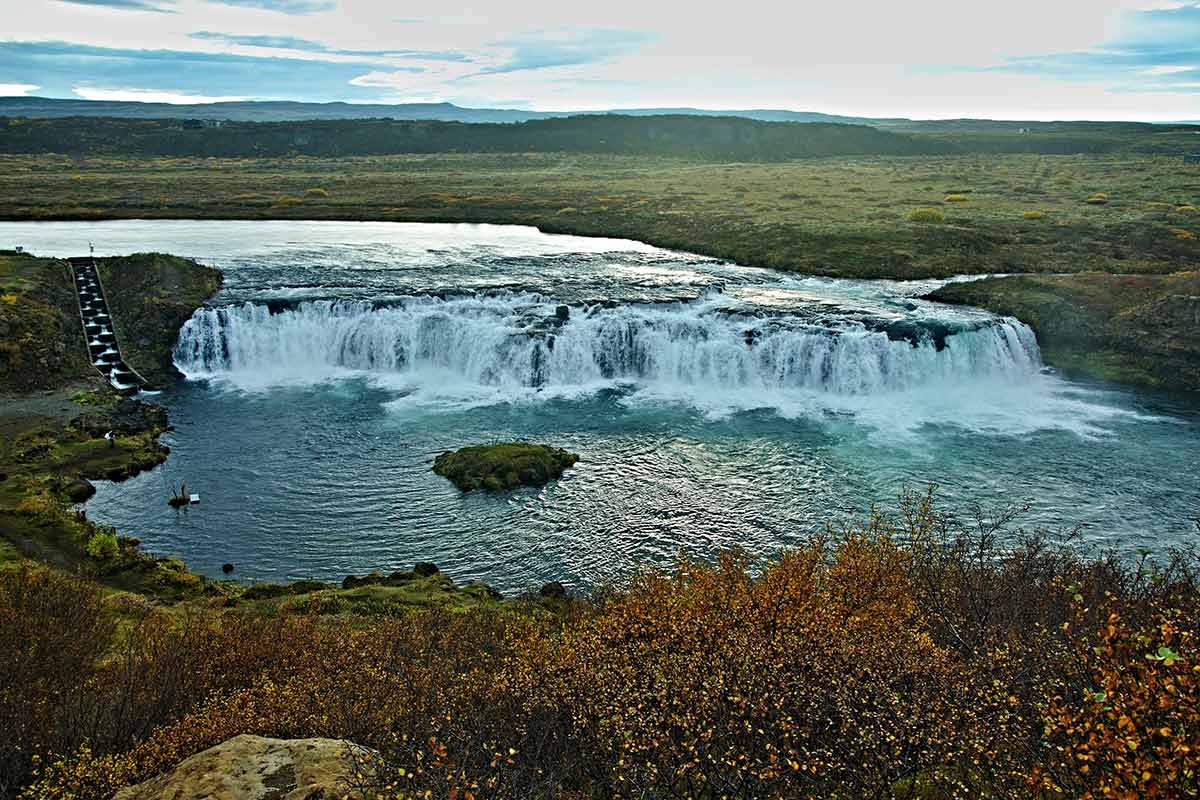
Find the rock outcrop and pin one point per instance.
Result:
(256, 768)
(150, 296)
(506, 465)
(42, 345)
(1139, 329)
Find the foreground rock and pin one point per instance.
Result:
(256, 768)
(1140, 329)
(503, 466)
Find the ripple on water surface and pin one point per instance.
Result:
(713, 405)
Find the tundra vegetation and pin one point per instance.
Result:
(843, 217)
(503, 465)
(911, 656)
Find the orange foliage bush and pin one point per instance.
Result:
(915, 656)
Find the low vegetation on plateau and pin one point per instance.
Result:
(909, 657)
(504, 465)
(845, 217)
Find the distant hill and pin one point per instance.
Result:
(287, 111)
(727, 138)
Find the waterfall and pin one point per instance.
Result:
(516, 341)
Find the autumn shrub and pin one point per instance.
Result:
(955, 198)
(52, 634)
(917, 654)
(926, 215)
(1034, 215)
(1127, 718)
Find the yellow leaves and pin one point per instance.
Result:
(827, 674)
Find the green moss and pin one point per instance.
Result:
(9, 555)
(102, 545)
(926, 215)
(46, 459)
(393, 595)
(41, 340)
(505, 465)
(105, 398)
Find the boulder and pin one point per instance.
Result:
(257, 768)
(424, 569)
(554, 590)
(79, 490)
(355, 581)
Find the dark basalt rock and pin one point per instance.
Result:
(553, 591)
(424, 569)
(79, 490)
(128, 417)
(355, 581)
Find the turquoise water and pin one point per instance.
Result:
(713, 406)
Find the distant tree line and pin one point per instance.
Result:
(679, 135)
(684, 136)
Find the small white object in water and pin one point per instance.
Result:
(194, 499)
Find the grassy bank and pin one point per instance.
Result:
(851, 217)
(56, 412)
(1142, 329)
(41, 342)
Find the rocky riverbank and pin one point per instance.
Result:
(1138, 329)
(61, 426)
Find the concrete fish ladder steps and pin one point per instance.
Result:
(103, 350)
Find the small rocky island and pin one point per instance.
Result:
(505, 465)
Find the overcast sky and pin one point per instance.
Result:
(1020, 59)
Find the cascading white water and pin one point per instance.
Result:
(515, 341)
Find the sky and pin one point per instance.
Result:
(1020, 59)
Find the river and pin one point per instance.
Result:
(712, 405)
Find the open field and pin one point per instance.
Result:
(845, 217)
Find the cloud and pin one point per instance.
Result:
(128, 5)
(17, 89)
(61, 68)
(263, 40)
(149, 96)
(283, 6)
(294, 43)
(1163, 69)
(1068, 58)
(567, 47)
(1157, 50)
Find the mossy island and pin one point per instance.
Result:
(504, 465)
